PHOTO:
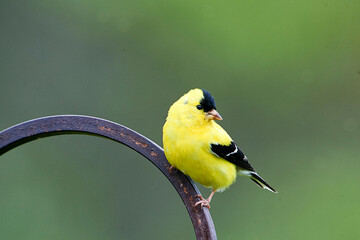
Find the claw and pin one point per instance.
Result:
(204, 202)
(199, 196)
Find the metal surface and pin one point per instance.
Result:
(75, 124)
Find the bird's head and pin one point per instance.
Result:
(196, 106)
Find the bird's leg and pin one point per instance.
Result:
(211, 195)
(205, 202)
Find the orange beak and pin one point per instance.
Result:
(213, 115)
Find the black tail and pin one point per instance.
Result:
(261, 182)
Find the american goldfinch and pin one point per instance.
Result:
(200, 148)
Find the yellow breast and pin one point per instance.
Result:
(188, 149)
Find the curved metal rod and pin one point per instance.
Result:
(76, 124)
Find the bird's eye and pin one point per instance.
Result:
(199, 107)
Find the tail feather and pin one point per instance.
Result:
(261, 182)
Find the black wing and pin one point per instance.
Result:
(233, 154)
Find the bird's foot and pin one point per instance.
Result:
(203, 202)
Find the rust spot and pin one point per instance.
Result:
(199, 221)
(185, 190)
(154, 154)
(141, 144)
(122, 134)
(105, 128)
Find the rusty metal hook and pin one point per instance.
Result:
(77, 124)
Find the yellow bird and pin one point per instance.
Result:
(200, 148)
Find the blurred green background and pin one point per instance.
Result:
(286, 79)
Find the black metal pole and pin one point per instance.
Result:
(76, 124)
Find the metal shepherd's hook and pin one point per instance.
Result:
(76, 124)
